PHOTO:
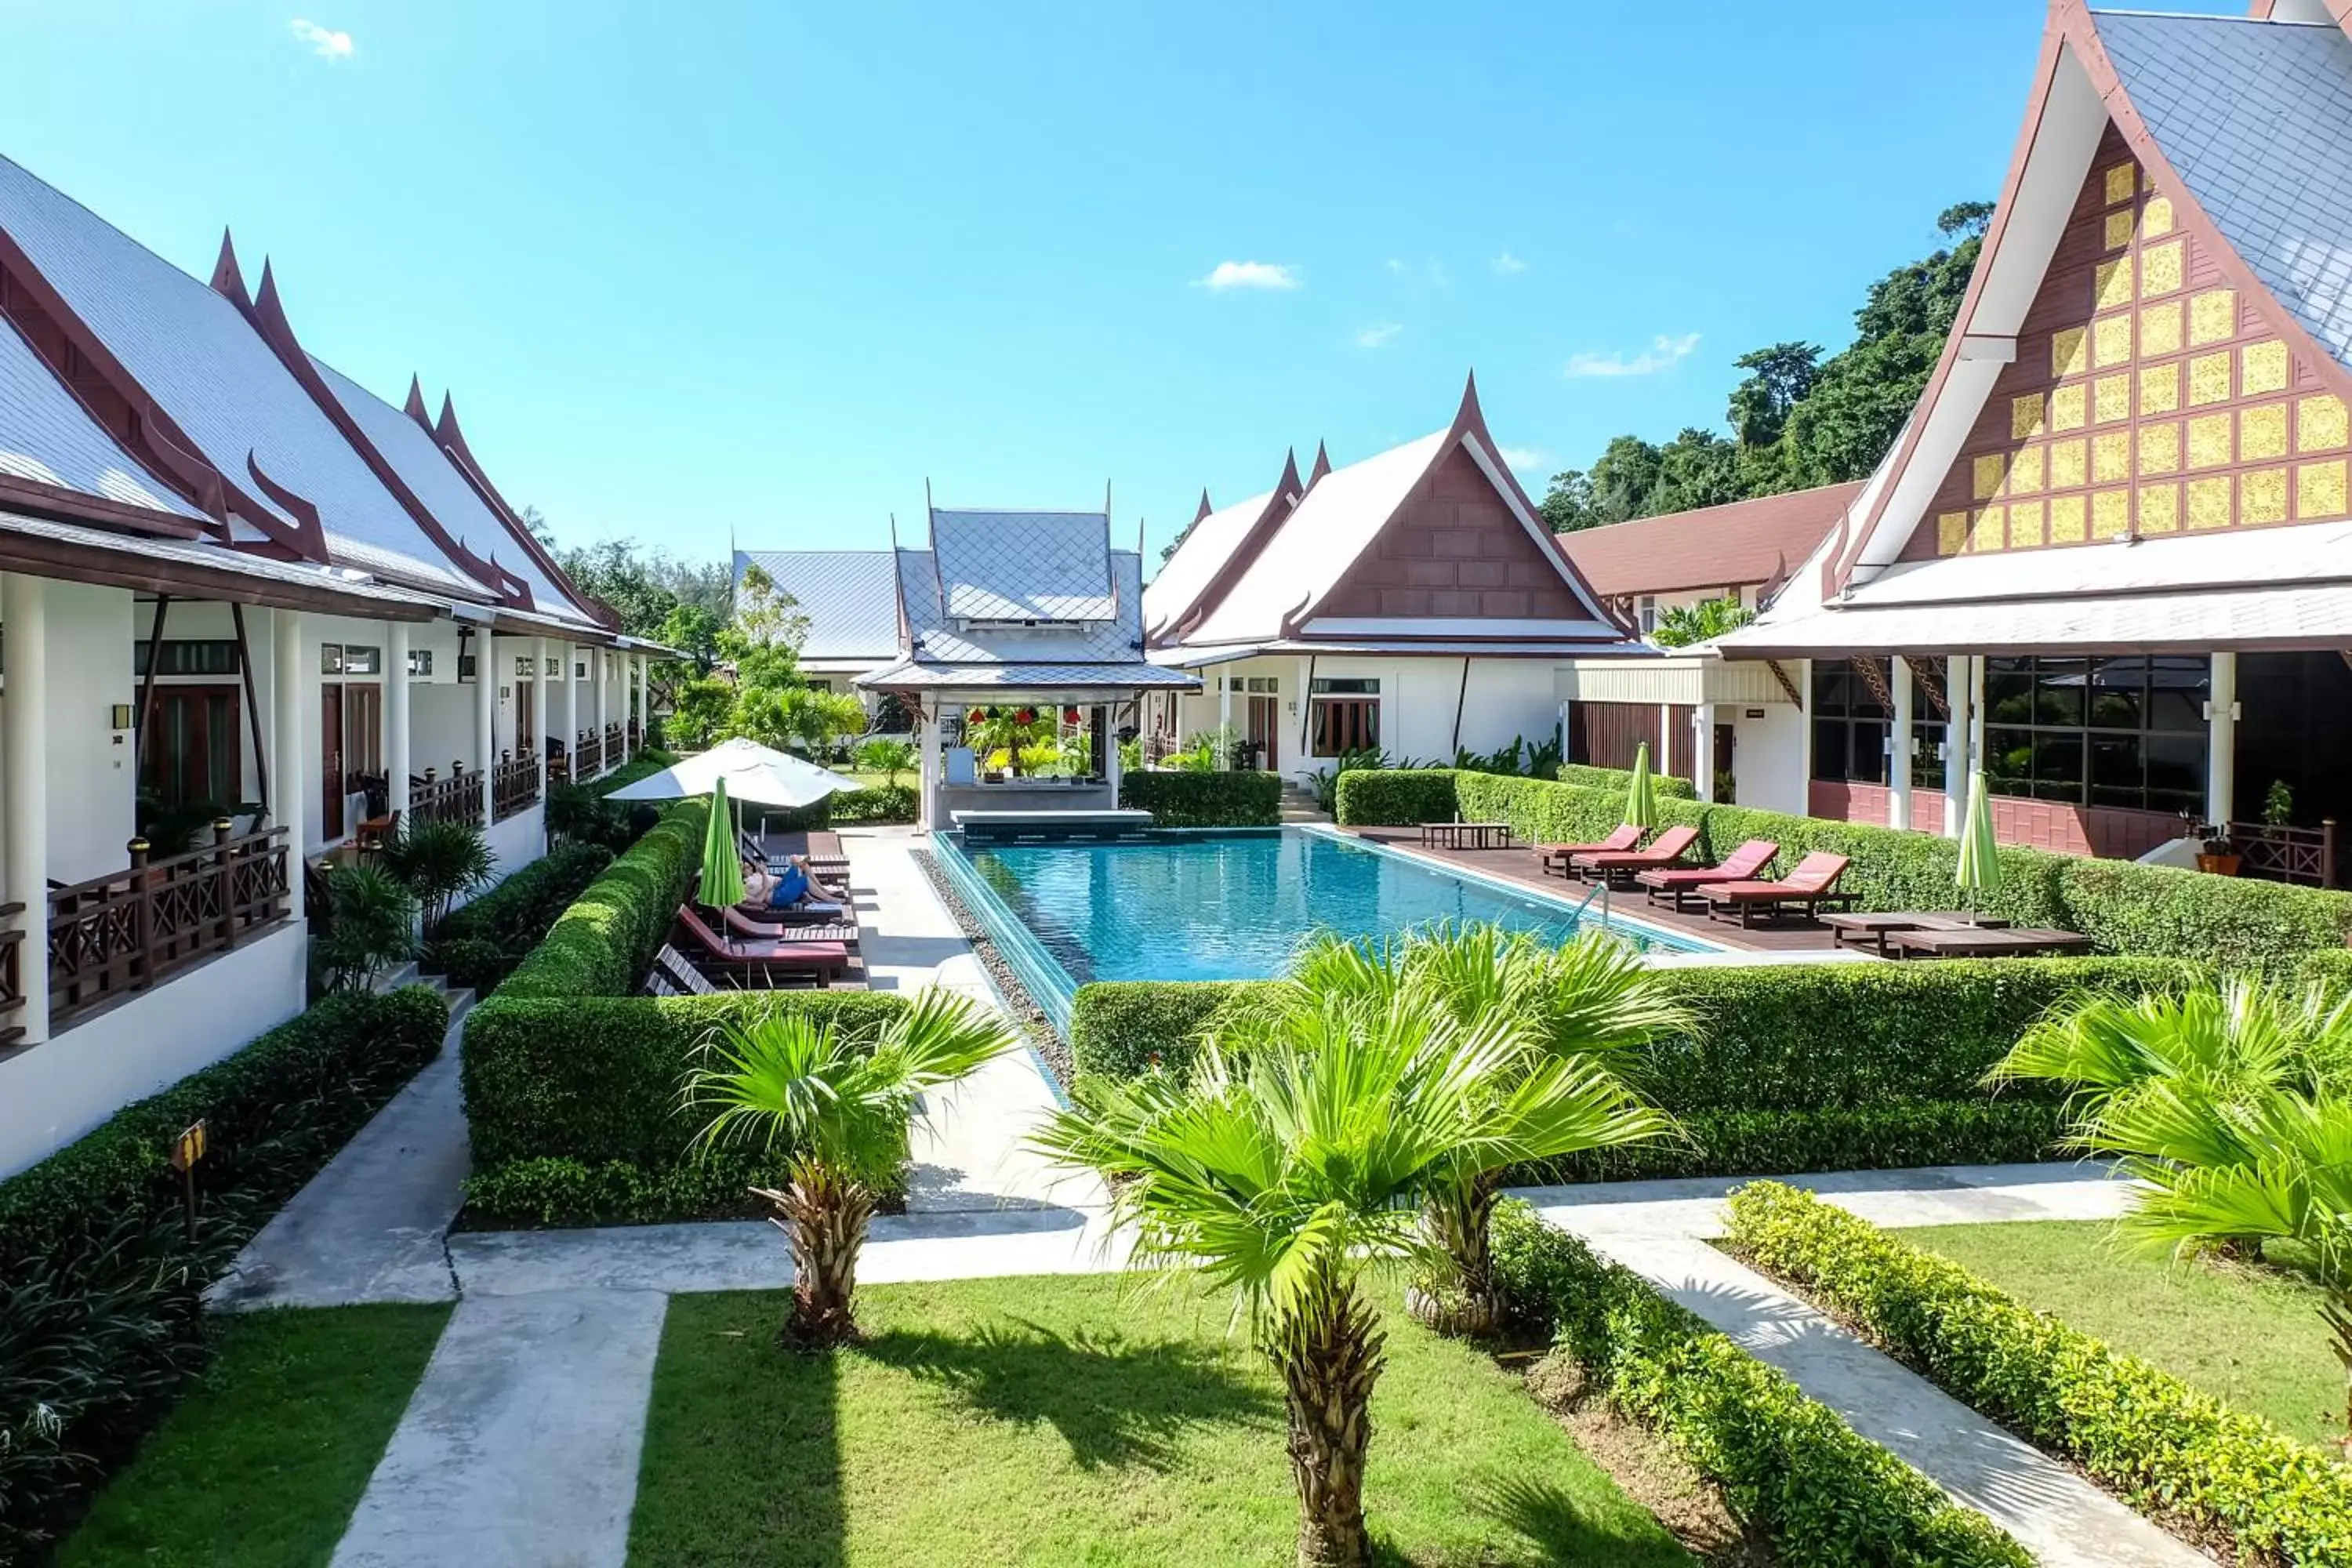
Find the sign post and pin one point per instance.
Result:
(187, 1150)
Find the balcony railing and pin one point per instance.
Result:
(616, 749)
(514, 785)
(456, 799)
(123, 932)
(636, 737)
(12, 986)
(2281, 854)
(588, 755)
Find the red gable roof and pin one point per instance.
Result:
(1713, 547)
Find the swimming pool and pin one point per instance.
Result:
(1225, 905)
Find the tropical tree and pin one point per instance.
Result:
(369, 924)
(700, 711)
(836, 1106)
(1293, 1160)
(1581, 1009)
(438, 861)
(2232, 1107)
(888, 758)
(1684, 624)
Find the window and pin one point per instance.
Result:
(358, 660)
(2127, 732)
(188, 656)
(190, 753)
(420, 661)
(1344, 715)
(525, 666)
(1649, 614)
(1849, 725)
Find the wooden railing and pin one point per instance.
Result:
(559, 770)
(456, 799)
(514, 785)
(588, 755)
(12, 984)
(617, 749)
(636, 737)
(2282, 854)
(118, 934)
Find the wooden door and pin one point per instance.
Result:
(1264, 724)
(330, 760)
(192, 748)
(526, 721)
(362, 733)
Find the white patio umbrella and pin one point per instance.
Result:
(754, 775)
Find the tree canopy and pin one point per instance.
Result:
(1796, 419)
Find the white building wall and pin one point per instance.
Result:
(441, 726)
(52, 1093)
(1768, 757)
(93, 788)
(516, 842)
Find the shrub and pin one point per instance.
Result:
(1395, 798)
(1664, 786)
(877, 802)
(1122, 1029)
(516, 914)
(1787, 1463)
(1244, 799)
(561, 1191)
(606, 939)
(439, 861)
(468, 963)
(369, 925)
(101, 1312)
(2174, 1452)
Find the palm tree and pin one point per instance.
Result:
(437, 860)
(2231, 1106)
(1582, 1007)
(836, 1106)
(1291, 1161)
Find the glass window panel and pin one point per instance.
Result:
(2117, 775)
(1830, 748)
(1861, 701)
(2058, 685)
(2058, 765)
(2176, 768)
(2009, 690)
(2009, 762)
(2118, 693)
(1926, 756)
(1346, 685)
(2178, 685)
(1830, 681)
(1867, 761)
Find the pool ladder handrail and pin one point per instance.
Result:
(1601, 892)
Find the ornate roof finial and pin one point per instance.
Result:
(1469, 415)
(1205, 508)
(415, 406)
(228, 278)
(1288, 484)
(445, 427)
(1322, 465)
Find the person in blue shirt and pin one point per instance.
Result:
(795, 889)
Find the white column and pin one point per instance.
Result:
(596, 674)
(1702, 748)
(571, 709)
(486, 716)
(2221, 740)
(289, 779)
(1960, 689)
(1898, 748)
(539, 681)
(25, 787)
(1225, 714)
(932, 766)
(1661, 763)
(396, 716)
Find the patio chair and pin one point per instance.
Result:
(1747, 861)
(1813, 884)
(1620, 839)
(685, 979)
(748, 925)
(826, 959)
(1664, 850)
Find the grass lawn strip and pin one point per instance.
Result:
(261, 1464)
(1102, 1421)
(2250, 1336)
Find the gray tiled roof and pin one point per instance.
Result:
(931, 616)
(1024, 565)
(48, 437)
(849, 596)
(1125, 676)
(2257, 117)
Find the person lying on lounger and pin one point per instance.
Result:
(795, 887)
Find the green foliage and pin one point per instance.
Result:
(1239, 799)
(370, 925)
(1326, 781)
(438, 860)
(794, 718)
(1394, 797)
(765, 637)
(1666, 787)
(2171, 1450)
(100, 1317)
(1680, 626)
(468, 963)
(558, 1190)
(888, 758)
(603, 942)
(644, 586)
(1539, 759)
(1790, 1466)
(477, 945)
(698, 710)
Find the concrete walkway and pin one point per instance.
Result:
(1658, 1229)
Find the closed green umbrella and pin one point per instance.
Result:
(1641, 800)
(722, 865)
(1978, 871)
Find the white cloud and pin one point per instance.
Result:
(1379, 335)
(1396, 264)
(1251, 275)
(1525, 459)
(1508, 264)
(330, 44)
(1663, 354)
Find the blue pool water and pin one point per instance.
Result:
(1217, 905)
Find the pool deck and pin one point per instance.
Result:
(1519, 865)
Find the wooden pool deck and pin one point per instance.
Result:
(1520, 865)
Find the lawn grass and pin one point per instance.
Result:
(2250, 1336)
(260, 1465)
(1092, 1421)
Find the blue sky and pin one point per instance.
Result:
(760, 270)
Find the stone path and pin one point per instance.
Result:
(1658, 1230)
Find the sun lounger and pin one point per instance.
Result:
(1619, 840)
(1873, 928)
(1741, 865)
(745, 925)
(1977, 942)
(1813, 884)
(826, 960)
(685, 979)
(1664, 850)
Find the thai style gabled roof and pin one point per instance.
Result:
(1725, 546)
(1024, 565)
(1218, 541)
(54, 453)
(285, 469)
(849, 597)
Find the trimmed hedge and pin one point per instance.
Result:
(1790, 1067)
(478, 945)
(2175, 1452)
(1666, 787)
(1395, 798)
(103, 1314)
(605, 941)
(2156, 911)
(1788, 1465)
(1244, 799)
(877, 802)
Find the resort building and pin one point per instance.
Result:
(849, 600)
(1413, 603)
(2108, 559)
(248, 607)
(1010, 614)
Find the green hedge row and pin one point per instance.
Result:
(1790, 1068)
(1790, 1466)
(1665, 785)
(100, 1286)
(2156, 911)
(478, 945)
(1244, 799)
(1394, 797)
(604, 940)
(878, 802)
(2175, 1452)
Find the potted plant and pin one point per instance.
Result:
(2278, 804)
(2218, 854)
